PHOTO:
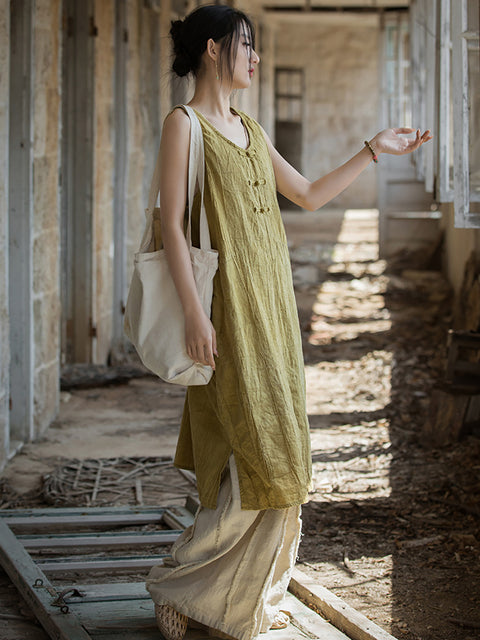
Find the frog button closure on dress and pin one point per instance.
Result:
(256, 183)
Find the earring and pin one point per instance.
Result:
(216, 71)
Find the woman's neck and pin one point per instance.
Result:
(211, 98)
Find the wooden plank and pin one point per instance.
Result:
(192, 503)
(98, 616)
(37, 590)
(144, 634)
(79, 511)
(354, 624)
(21, 523)
(305, 621)
(53, 541)
(148, 634)
(55, 565)
(109, 591)
(139, 616)
(178, 517)
(310, 622)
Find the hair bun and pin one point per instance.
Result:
(182, 63)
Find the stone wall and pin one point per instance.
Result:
(339, 55)
(46, 207)
(103, 166)
(4, 334)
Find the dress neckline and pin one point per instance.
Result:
(234, 144)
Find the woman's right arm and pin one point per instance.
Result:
(174, 150)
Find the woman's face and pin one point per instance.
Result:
(245, 61)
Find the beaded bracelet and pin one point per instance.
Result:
(370, 148)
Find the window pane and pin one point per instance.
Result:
(282, 109)
(288, 99)
(391, 41)
(296, 84)
(295, 110)
(282, 82)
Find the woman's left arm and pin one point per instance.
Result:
(313, 195)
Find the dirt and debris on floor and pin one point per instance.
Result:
(391, 527)
(115, 481)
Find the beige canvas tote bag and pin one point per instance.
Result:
(154, 319)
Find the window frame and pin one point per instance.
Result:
(444, 182)
(462, 195)
(423, 30)
(418, 75)
(431, 115)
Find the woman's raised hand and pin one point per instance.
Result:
(200, 338)
(391, 141)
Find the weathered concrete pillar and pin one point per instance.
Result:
(46, 207)
(4, 325)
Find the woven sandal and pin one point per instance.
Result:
(172, 625)
(281, 620)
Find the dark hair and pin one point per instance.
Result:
(190, 37)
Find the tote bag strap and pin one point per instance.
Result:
(196, 171)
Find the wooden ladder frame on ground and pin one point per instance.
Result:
(117, 611)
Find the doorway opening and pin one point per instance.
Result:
(289, 108)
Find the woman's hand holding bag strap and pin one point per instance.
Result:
(154, 319)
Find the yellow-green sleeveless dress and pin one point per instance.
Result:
(254, 405)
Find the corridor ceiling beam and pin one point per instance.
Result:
(308, 8)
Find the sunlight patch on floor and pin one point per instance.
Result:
(349, 386)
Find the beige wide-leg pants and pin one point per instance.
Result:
(230, 569)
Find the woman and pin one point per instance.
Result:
(245, 433)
